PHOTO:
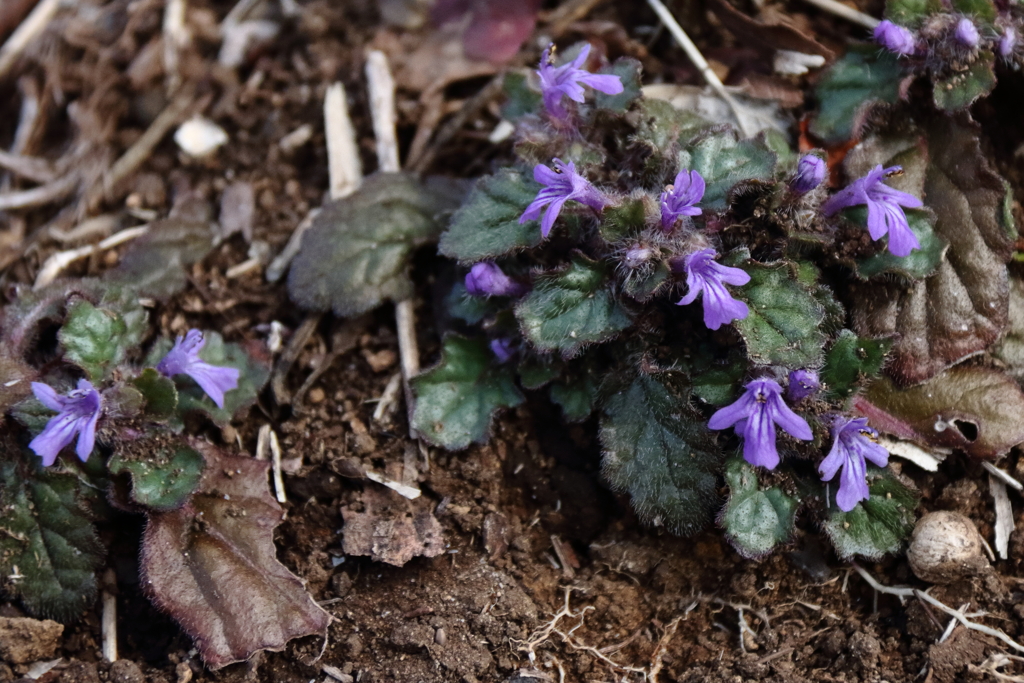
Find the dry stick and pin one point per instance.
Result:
(42, 195)
(382, 110)
(275, 454)
(31, 168)
(108, 618)
(35, 23)
(290, 355)
(902, 593)
(1004, 514)
(698, 60)
(848, 13)
(62, 259)
(137, 154)
(176, 37)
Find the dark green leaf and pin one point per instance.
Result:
(963, 88)
(576, 396)
(723, 161)
(973, 408)
(623, 220)
(644, 284)
(536, 370)
(164, 472)
(122, 401)
(520, 98)
(661, 128)
(851, 360)
(961, 308)
(863, 77)
(466, 307)
(919, 264)
(46, 538)
(571, 308)
(356, 254)
(878, 525)
(981, 11)
(911, 13)
(154, 264)
(755, 519)
(628, 70)
(456, 399)
(94, 339)
(487, 225)
(657, 448)
(783, 325)
(160, 393)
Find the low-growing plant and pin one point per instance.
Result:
(711, 308)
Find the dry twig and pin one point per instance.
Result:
(35, 23)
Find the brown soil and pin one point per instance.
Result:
(542, 574)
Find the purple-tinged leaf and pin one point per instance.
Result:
(212, 566)
(972, 408)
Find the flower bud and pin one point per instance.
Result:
(810, 171)
(637, 256)
(1007, 42)
(502, 348)
(487, 279)
(966, 33)
(802, 383)
(895, 38)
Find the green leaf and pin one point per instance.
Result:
(164, 473)
(576, 396)
(851, 360)
(252, 363)
(520, 99)
(160, 393)
(961, 309)
(878, 525)
(658, 449)
(862, 78)
(535, 370)
(623, 220)
(570, 308)
(94, 339)
(487, 224)
(644, 284)
(155, 264)
(973, 408)
(716, 384)
(723, 161)
(981, 11)
(919, 264)
(46, 537)
(963, 88)
(755, 520)
(466, 307)
(661, 128)
(628, 70)
(456, 399)
(356, 255)
(782, 327)
(911, 13)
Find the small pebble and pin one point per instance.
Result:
(316, 395)
(440, 637)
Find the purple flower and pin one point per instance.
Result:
(885, 214)
(703, 274)
(966, 33)
(853, 443)
(802, 383)
(556, 81)
(679, 198)
(184, 358)
(487, 279)
(563, 184)
(895, 38)
(810, 171)
(1007, 42)
(754, 417)
(503, 349)
(78, 413)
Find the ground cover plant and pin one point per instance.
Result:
(676, 359)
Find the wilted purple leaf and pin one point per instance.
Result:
(212, 565)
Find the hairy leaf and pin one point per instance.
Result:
(536, 370)
(160, 393)
(487, 224)
(862, 78)
(782, 327)
(356, 255)
(963, 88)
(155, 264)
(723, 161)
(658, 449)
(94, 339)
(850, 361)
(660, 130)
(456, 399)
(961, 308)
(570, 308)
(755, 519)
(164, 472)
(49, 550)
(628, 70)
(212, 565)
(911, 12)
(983, 11)
(969, 407)
(876, 526)
(520, 98)
(576, 396)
